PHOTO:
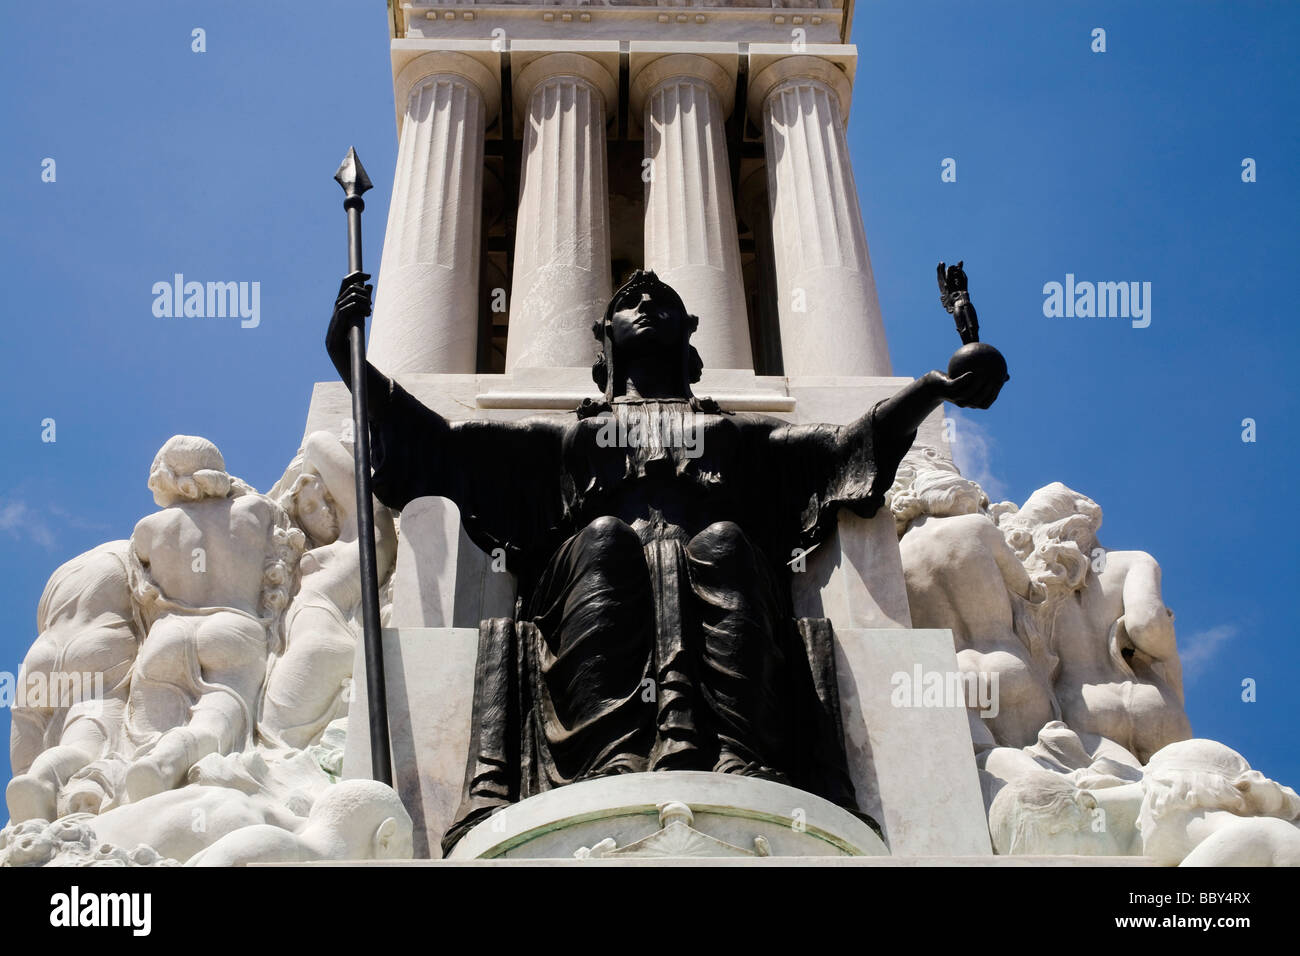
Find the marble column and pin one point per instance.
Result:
(426, 310)
(690, 219)
(561, 281)
(829, 311)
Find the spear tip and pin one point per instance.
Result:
(352, 175)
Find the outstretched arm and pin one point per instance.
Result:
(352, 306)
(903, 412)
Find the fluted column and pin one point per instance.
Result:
(426, 311)
(561, 281)
(829, 311)
(690, 219)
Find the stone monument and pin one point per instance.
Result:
(706, 584)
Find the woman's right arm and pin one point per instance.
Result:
(351, 307)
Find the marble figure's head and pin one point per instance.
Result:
(1185, 780)
(365, 815)
(312, 508)
(188, 468)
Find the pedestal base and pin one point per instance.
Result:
(680, 814)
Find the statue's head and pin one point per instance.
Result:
(938, 491)
(1054, 534)
(302, 492)
(1042, 812)
(1185, 780)
(645, 321)
(365, 817)
(312, 508)
(188, 468)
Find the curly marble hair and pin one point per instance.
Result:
(190, 468)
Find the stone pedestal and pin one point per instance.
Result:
(430, 683)
(426, 308)
(912, 767)
(680, 815)
(829, 311)
(690, 219)
(561, 280)
(443, 579)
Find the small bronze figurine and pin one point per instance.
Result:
(955, 298)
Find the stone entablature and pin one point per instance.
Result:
(769, 21)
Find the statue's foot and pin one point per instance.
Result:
(30, 798)
(164, 767)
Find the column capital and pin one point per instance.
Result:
(674, 66)
(565, 64)
(447, 63)
(793, 69)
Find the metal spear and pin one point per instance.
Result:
(352, 177)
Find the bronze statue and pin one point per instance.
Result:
(651, 534)
(956, 299)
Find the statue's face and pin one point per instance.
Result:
(315, 511)
(642, 320)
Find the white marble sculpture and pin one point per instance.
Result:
(207, 716)
(352, 820)
(1117, 673)
(207, 825)
(216, 569)
(1087, 750)
(1072, 631)
(962, 575)
(308, 685)
(1199, 792)
(1197, 803)
(73, 683)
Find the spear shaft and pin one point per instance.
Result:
(352, 177)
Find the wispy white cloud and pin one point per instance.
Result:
(1197, 651)
(21, 522)
(77, 521)
(972, 453)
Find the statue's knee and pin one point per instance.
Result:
(720, 542)
(608, 533)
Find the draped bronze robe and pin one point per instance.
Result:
(655, 629)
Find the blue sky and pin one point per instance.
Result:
(1115, 166)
